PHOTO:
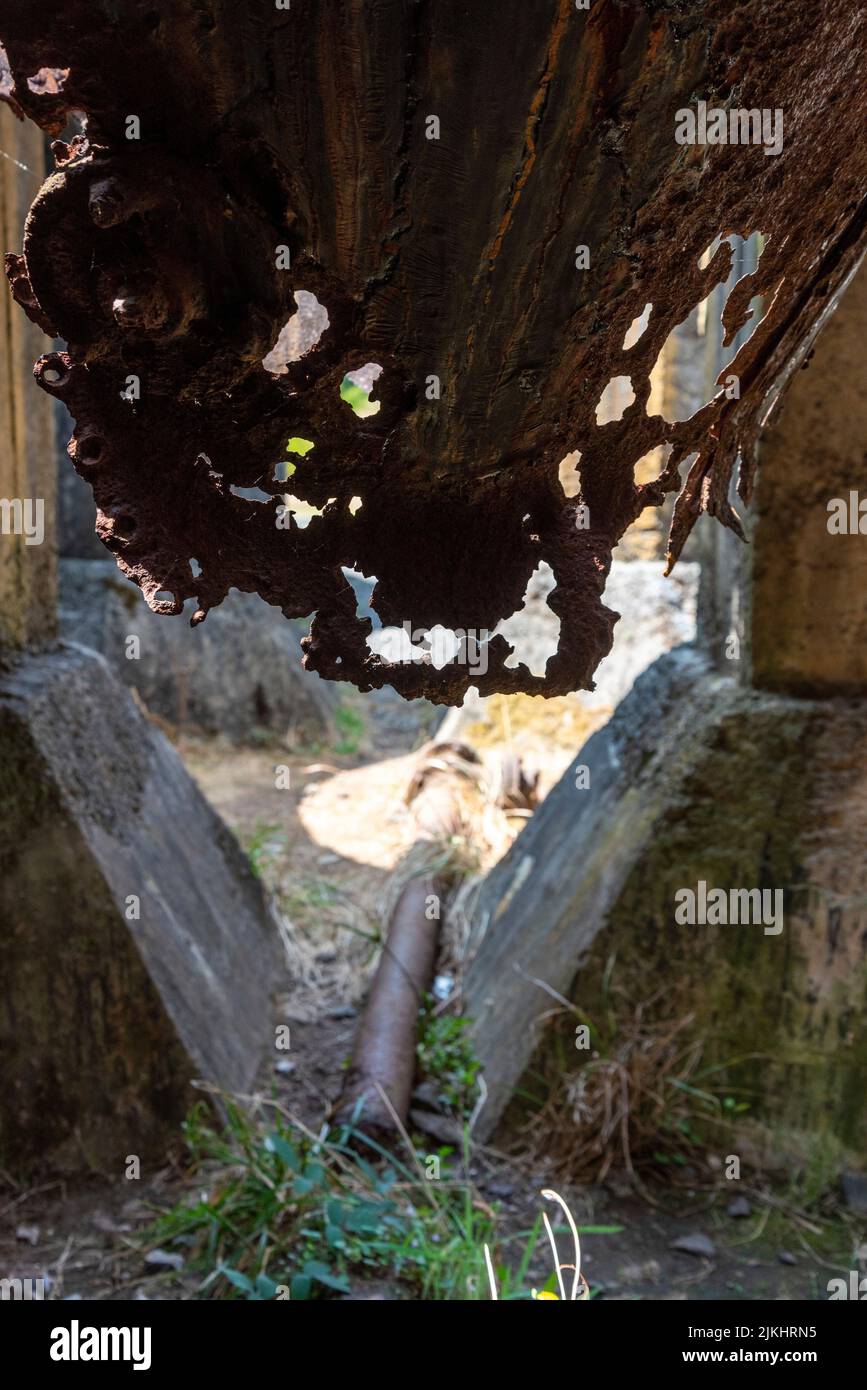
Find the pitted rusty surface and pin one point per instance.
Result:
(157, 257)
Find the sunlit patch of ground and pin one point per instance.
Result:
(546, 734)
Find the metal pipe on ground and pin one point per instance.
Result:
(384, 1054)
(384, 1051)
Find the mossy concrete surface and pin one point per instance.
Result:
(136, 948)
(697, 778)
(808, 587)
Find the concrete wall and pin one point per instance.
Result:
(809, 587)
(27, 441)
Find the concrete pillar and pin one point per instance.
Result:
(703, 777)
(27, 448)
(808, 587)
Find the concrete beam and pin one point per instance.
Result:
(27, 449)
(137, 952)
(808, 589)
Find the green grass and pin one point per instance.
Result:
(446, 1057)
(351, 727)
(282, 1214)
(279, 1212)
(263, 844)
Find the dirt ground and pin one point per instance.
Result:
(88, 1240)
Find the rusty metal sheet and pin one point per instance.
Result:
(441, 249)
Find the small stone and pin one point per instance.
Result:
(284, 1066)
(648, 1272)
(854, 1187)
(695, 1244)
(28, 1233)
(620, 1189)
(107, 1224)
(164, 1257)
(439, 1127)
(500, 1187)
(786, 1257)
(738, 1207)
(427, 1093)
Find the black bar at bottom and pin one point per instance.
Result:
(227, 1339)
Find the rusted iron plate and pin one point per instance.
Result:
(453, 258)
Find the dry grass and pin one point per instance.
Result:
(631, 1105)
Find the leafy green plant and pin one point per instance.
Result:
(446, 1057)
(283, 1209)
(350, 726)
(281, 1213)
(262, 846)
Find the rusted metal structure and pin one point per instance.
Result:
(431, 172)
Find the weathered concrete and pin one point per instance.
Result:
(237, 674)
(27, 572)
(542, 905)
(697, 778)
(809, 587)
(105, 1015)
